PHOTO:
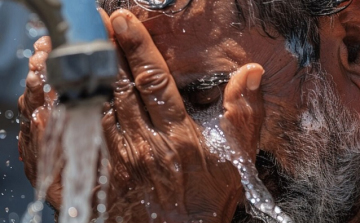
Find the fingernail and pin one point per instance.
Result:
(254, 77)
(119, 24)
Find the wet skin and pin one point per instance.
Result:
(164, 54)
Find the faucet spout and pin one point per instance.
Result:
(83, 62)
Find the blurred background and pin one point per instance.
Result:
(19, 29)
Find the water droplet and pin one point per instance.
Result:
(101, 208)
(23, 82)
(6, 209)
(47, 88)
(22, 196)
(119, 219)
(214, 214)
(73, 212)
(183, 30)
(177, 167)
(19, 53)
(2, 134)
(35, 27)
(37, 206)
(103, 179)
(161, 102)
(7, 163)
(142, 201)
(9, 114)
(176, 204)
(277, 210)
(153, 215)
(27, 53)
(101, 195)
(104, 162)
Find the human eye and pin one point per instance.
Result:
(203, 97)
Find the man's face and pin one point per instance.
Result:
(310, 129)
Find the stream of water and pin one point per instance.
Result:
(78, 129)
(261, 204)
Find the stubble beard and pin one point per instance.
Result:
(325, 183)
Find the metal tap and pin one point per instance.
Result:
(83, 62)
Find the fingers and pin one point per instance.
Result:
(244, 107)
(152, 78)
(33, 99)
(33, 96)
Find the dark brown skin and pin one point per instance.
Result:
(161, 60)
(157, 140)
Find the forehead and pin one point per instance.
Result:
(198, 41)
(146, 9)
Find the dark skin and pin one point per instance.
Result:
(160, 57)
(174, 137)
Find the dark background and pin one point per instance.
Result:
(18, 32)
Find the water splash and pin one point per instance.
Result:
(9, 114)
(79, 131)
(261, 204)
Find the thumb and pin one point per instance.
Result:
(244, 111)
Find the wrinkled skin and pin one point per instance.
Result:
(160, 58)
(150, 147)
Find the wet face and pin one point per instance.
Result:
(308, 111)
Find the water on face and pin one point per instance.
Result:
(261, 204)
(79, 131)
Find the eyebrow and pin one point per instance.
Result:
(208, 82)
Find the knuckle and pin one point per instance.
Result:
(152, 80)
(123, 88)
(43, 44)
(33, 81)
(37, 61)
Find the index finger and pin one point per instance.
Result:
(152, 76)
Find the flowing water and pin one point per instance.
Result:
(78, 129)
(261, 204)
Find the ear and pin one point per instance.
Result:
(350, 54)
(340, 52)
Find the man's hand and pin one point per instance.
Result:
(160, 165)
